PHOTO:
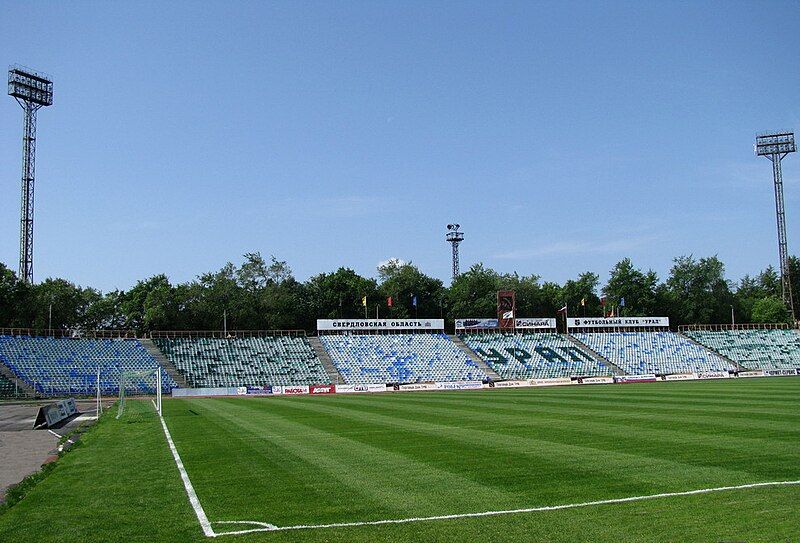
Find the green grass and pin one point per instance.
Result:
(312, 460)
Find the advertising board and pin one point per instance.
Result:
(555, 381)
(534, 324)
(646, 378)
(607, 380)
(477, 324)
(617, 322)
(680, 377)
(293, 390)
(321, 389)
(459, 385)
(714, 375)
(380, 324)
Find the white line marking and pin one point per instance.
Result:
(271, 528)
(266, 525)
(55, 434)
(198, 508)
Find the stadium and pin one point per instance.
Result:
(249, 405)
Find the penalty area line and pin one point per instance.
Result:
(271, 528)
(193, 500)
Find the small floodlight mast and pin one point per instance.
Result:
(775, 146)
(455, 237)
(32, 90)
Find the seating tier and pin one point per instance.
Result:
(400, 358)
(66, 366)
(253, 361)
(638, 353)
(754, 349)
(534, 356)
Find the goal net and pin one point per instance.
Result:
(145, 387)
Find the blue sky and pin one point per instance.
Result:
(561, 136)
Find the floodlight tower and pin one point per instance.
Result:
(775, 146)
(455, 237)
(32, 90)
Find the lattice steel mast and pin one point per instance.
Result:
(775, 146)
(455, 237)
(32, 91)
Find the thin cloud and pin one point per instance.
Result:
(576, 247)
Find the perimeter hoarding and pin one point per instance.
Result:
(380, 324)
(618, 322)
(477, 324)
(534, 324)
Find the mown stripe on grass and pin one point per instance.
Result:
(357, 469)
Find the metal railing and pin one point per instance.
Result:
(726, 327)
(68, 333)
(222, 334)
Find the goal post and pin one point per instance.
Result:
(140, 383)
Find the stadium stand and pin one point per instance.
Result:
(533, 356)
(7, 388)
(400, 358)
(67, 366)
(244, 361)
(755, 349)
(662, 353)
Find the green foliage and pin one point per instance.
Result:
(263, 294)
(697, 291)
(639, 289)
(474, 293)
(402, 282)
(770, 309)
(339, 294)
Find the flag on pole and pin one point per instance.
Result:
(389, 301)
(508, 315)
(414, 300)
(563, 309)
(364, 301)
(622, 302)
(583, 302)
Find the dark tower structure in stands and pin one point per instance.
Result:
(32, 90)
(775, 146)
(455, 237)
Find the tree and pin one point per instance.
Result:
(339, 294)
(69, 305)
(637, 288)
(14, 300)
(582, 289)
(697, 291)
(770, 309)
(403, 282)
(474, 293)
(150, 305)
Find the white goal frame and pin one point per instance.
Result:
(122, 383)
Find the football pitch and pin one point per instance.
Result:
(590, 463)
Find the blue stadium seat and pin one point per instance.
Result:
(66, 366)
(638, 353)
(400, 358)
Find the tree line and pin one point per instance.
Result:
(262, 294)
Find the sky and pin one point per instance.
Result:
(562, 136)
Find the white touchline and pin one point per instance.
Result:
(198, 508)
(271, 528)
